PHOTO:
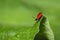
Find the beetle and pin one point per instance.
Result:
(39, 15)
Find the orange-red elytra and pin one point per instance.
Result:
(39, 16)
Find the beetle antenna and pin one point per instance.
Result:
(33, 17)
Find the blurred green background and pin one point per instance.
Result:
(19, 13)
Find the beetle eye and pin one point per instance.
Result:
(35, 19)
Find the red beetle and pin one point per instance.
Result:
(38, 16)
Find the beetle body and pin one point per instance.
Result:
(39, 16)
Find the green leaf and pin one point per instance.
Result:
(45, 32)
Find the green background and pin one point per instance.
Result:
(16, 13)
